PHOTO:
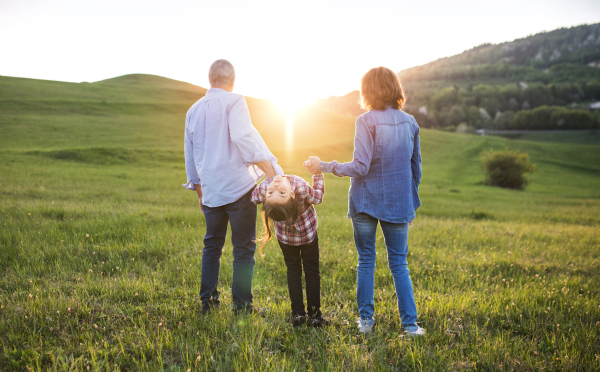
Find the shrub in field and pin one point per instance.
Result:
(506, 168)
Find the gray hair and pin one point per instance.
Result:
(221, 73)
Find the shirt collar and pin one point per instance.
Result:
(215, 90)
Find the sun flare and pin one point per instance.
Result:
(290, 105)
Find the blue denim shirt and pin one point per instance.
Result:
(386, 169)
(221, 148)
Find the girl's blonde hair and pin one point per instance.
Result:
(379, 88)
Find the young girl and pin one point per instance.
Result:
(288, 201)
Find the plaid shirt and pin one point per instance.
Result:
(304, 230)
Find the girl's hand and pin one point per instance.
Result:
(312, 164)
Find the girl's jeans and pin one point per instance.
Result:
(303, 257)
(396, 241)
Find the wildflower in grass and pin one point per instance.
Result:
(87, 235)
(30, 295)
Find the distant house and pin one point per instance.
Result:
(595, 105)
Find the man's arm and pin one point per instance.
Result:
(240, 131)
(266, 167)
(199, 193)
(190, 164)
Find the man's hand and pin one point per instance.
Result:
(312, 164)
(199, 193)
(266, 167)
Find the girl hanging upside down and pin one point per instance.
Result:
(288, 201)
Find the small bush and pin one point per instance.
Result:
(505, 168)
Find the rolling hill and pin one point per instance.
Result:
(101, 247)
(487, 86)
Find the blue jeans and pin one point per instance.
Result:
(241, 214)
(396, 241)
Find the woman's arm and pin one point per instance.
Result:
(363, 154)
(415, 160)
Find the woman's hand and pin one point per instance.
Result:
(312, 164)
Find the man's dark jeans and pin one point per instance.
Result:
(297, 257)
(241, 214)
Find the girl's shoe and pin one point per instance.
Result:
(318, 321)
(419, 332)
(366, 326)
(299, 320)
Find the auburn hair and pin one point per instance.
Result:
(282, 212)
(380, 87)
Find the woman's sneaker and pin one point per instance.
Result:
(366, 326)
(419, 332)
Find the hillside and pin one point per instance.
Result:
(147, 113)
(490, 86)
(555, 56)
(101, 247)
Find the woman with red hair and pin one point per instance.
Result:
(385, 172)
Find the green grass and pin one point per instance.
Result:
(101, 247)
(582, 138)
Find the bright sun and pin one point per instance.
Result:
(290, 105)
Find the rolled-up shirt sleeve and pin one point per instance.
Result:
(240, 131)
(190, 164)
(363, 154)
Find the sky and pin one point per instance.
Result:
(292, 52)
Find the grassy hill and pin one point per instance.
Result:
(101, 246)
(554, 56)
(490, 85)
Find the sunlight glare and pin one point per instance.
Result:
(290, 105)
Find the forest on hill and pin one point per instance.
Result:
(544, 81)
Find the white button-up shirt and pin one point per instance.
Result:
(221, 146)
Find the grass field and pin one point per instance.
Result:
(100, 247)
(581, 138)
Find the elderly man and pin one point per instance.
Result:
(224, 159)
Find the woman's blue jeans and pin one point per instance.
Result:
(396, 241)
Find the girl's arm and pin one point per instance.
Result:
(314, 194)
(260, 192)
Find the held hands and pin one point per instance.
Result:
(312, 164)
